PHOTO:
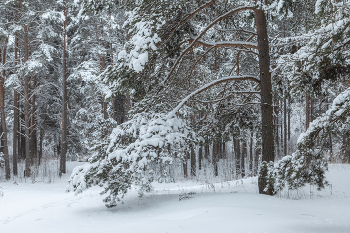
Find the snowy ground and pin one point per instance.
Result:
(234, 207)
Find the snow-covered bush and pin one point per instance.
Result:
(134, 146)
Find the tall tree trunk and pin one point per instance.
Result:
(268, 150)
(33, 125)
(63, 156)
(27, 107)
(3, 117)
(15, 117)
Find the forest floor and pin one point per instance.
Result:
(222, 207)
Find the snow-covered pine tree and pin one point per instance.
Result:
(316, 64)
(166, 64)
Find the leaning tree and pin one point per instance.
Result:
(179, 57)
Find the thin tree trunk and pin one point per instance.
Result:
(276, 119)
(285, 126)
(27, 107)
(307, 111)
(251, 154)
(206, 149)
(256, 161)
(289, 109)
(193, 161)
(223, 151)
(33, 126)
(22, 138)
(268, 150)
(215, 157)
(64, 99)
(15, 117)
(200, 157)
(184, 164)
(41, 143)
(311, 109)
(3, 117)
(236, 145)
(244, 156)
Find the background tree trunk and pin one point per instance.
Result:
(237, 150)
(193, 161)
(27, 107)
(3, 117)
(15, 117)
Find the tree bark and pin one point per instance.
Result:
(33, 143)
(251, 155)
(237, 149)
(41, 143)
(200, 157)
(276, 122)
(193, 161)
(184, 164)
(268, 150)
(119, 108)
(63, 156)
(216, 148)
(27, 107)
(307, 111)
(285, 146)
(244, 156)
(289, 109)
(15, 117)
(206, 149)
(3, 117)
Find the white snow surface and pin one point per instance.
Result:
(234, 207)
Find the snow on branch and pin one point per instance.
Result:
(224, 16)
(189, 16)
(209, 85)
(241, 44)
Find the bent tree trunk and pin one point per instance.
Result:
(266, 96)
